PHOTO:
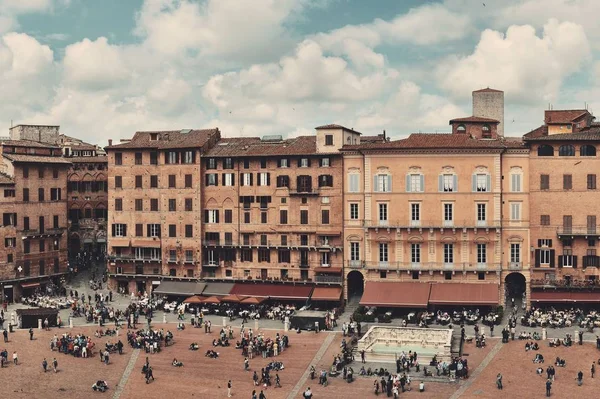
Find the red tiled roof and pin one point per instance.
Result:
(541, 134)
(27, 143)
(462, 294)
(254, 146)
(36, 159)
(563, 116)
(168, 139)
(396, 294)
(372, 139)
(336, 126)
(488, 90)
(437, 141)
(475, 119)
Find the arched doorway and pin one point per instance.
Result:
(515, 286)
(356, 283)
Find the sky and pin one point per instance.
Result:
(106, 69)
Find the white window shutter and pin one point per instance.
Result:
(474, 183)
(408, 183)
(441, 183)
(488, 183)
(375, 184)
(422, 183)
(389, 181)
(455, 177)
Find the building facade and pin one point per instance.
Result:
(34, 212)
(154, 203)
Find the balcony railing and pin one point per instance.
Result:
(565, 284)
(429, 266)
(593, 231)
(303, 192)
(328, 279)
(433, 224)
(256, 242)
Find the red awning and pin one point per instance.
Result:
(275, 291)
(564, 297)
(30, 285)
(464, 294)
(334, 270)
(585, 296)
(400, 294)
(326, 294)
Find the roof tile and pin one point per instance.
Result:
(168, 139)
(563, 116)
(253, 146)
(438, 141)
(36, 159)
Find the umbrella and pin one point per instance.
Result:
(231, 298)
(193, 300)
(212, 299)
(252, 301)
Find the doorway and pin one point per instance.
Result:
(356, 283)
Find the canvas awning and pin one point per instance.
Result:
(398, 295)
(232, 299)
(194, 300)
(564, 297)
(326, 294)
(252, 301)
(30, 285)
(217, 289)
(212, 299)
(181, 288)
(464, 294)
(275, 291)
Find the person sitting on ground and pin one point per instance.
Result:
(176, 363)
(536, 336)
(534, 346)
(539, 371)
(180, 327)
(422, 387)
(100, 385)
(560, 362)
(215, 342)
(554, 343)
(369, 371)
(362, 371)
(538, 358)
(527, 346)
(212, 354)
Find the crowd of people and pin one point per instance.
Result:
(150, 340)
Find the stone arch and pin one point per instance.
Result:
(515, 285)
(100, 177)
(87, 177)
(354, 237)
(228, 203)
(212, 203)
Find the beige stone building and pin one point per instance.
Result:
(154, 203)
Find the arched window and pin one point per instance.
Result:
(566, 150)
(486, 131)
(545, 151)
(587, 151)
(461, 128)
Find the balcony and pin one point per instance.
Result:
(328, 279)
(566, 284)
(430, 266)
(578, 231)
(304, 192)
(432, 224)
(132, 258)
(46, 233)
(290, 244)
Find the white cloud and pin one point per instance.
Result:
(23, 56)
(25, 6)
(527, 67)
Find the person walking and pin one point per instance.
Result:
(55, 365)
(45, 365)
(15, 358)
(548, 387)
(580, 378)
(277, 381)
(229, 389)
(262, 395)
(362, 356)
(593, 370)
(31, 334)
(5, 334)
(499, 381)
(246, 364)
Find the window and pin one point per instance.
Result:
(118, 158)
(304, 217)
(55, 173)
(246, 179)
(172, 181)
(415, 214)
(188, 181)
(228, 216)
(189, 205)
(55, 194)
(325, 181)
(383, 252)
(42, 245)
(448, 253)
(118, 204)
(567, 182)
(591, 182)
(383, 214)
(55, 222)
(515, 252)
(325, 200)
(544, 256)
(481, 253)
(9, 193)
(545, 243)
(25, 195)
(284, 163)
(246, 217)
(153, 230)
(25, 223)
(383, 183)
(283, 216)
(189, 230)
(154, 181)
(153, 158)
(567, 223)
(154, 204)
(263, 217)
(41, 172)
(172, 204)
(325, 259)
(353, 211)
(329, 139)
(228, 179)
(515, 182)
(515, 211)
(188, 157)
(228, 163)
(324, 216)
(566, 150)
(461, 128)
(544, 182)
(172, 230)
(139, 230)
(383, 274)
(587, 151)
(25, 172)
(118, 182)
(481, 215)
(264, 179)
(354, 251)
(211, 216)
(283, 256)
(119, 230)
(283, 181)
(481, 183)
(353, 182)
(138, 182)
(284, 239)
(415, 253)
(211, 163)
(246, 255)
(448, 183)
(138, 158)
(545, 220)
(415, 183)
(448, 214)
(41, 194)
(26, 247)
(304, 162)
(545, 150)
(486, 132)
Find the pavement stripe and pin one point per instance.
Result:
(316, 359)
(119, 388)
(490, 356)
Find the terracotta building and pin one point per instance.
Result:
(447, 214)
(154, 202)
(272, 207)
(564, 197)
(87, 196)
(33, 176)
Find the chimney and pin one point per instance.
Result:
(384, 136)
(109, 142)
